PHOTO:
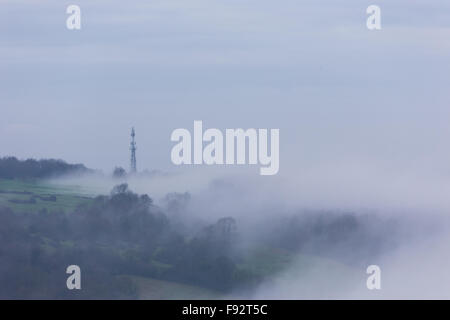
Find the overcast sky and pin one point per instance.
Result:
(338, 92)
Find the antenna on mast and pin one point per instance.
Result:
(133, 152)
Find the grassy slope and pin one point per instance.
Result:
(153, 289)
(287, 276)
(67, 197)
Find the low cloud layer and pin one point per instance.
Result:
(397, 232)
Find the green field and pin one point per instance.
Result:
(33, 195)
(262, 261)
(298, 276)
(154, 289)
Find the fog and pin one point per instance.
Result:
(403, 225)
(418, 269)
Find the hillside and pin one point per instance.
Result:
(154, 289)
(34, 195)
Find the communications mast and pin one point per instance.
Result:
(133, 152)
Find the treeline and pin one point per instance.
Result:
(13, 168)
(354, 239)
(120, 234)
(124, 234)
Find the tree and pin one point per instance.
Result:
(119, 173)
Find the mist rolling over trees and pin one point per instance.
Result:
(117, 237)
(120, 234)
(210, 242)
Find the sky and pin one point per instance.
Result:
(344, 97)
